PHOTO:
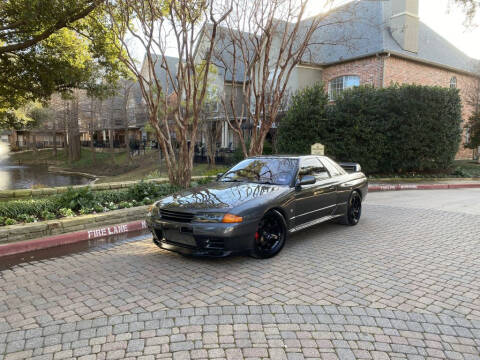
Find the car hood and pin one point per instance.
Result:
(219, 195)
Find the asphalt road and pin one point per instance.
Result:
(403, 284)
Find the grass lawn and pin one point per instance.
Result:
(112, 167)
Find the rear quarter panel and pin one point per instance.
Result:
(347, 184)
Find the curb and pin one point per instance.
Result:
(70, 238)
(376, 188)
(85, 235)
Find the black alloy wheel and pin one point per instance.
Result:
(270, 235)
(354, 210)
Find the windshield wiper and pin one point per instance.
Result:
(267, 182)
(232, 180)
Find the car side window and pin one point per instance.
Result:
(334, 169)
(312, 166)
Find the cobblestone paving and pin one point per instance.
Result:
(403, 284)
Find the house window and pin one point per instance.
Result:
(453, 82)
(339, 84)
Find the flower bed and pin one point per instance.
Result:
(81, 201)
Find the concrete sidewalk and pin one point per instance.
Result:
(419, 184)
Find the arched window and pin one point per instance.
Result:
(453, 82)
(339, 84)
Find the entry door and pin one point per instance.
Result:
(313, 202)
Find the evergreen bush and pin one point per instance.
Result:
(398, 129)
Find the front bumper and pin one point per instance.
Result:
(203, 239)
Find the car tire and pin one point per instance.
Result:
(354, 210)
(270, 236)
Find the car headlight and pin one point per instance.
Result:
(217, 218)
(153, 210)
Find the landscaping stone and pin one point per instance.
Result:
(21, 232)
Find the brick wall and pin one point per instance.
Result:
(376, 70)
(369, 70)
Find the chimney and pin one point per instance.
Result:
(404, 24)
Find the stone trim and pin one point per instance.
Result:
(22, 232)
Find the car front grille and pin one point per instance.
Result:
(176, 216)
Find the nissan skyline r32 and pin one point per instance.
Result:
(255, 205)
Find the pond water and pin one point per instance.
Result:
(14, 176)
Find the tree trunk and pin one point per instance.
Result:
(54, 138)
(179, 166)
(34, 140)
(127, 145)
(110, 138)
(13, 140)
(110, 144)
(92, 147)
(74, 149)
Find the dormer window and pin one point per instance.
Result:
(341, 83)
(453, 82)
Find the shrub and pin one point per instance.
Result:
(47, 215)
(81, 201)
(147, 201)
(10, 222)
(115, 196)
(98, 208)
(64, 212)
(474, 128)
(304, 122)
(85, 211)
(397, 129)
(77, 199)
(142, 189)
(26, 218)
(12, 209)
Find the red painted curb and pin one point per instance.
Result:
(398, 187)
(70, 238)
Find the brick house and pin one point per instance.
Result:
(387, 43)
(381, 43)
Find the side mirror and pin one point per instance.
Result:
(306, 180)
(219, 175)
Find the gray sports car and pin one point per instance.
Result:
(255, 205)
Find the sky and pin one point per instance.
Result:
(450, 25)
(446, 20)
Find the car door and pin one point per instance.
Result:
(313, 202)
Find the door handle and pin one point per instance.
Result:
(332, 188)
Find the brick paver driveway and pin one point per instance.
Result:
(403, 284)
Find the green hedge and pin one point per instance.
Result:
(303, 124)
(397, 129)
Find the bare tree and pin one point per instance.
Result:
(212, 131)
(96, 105)
(174, 102)
(470, 8)
(126, 93)
(73, 131)
(258, 50)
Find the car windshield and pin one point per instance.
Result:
(277, 171)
